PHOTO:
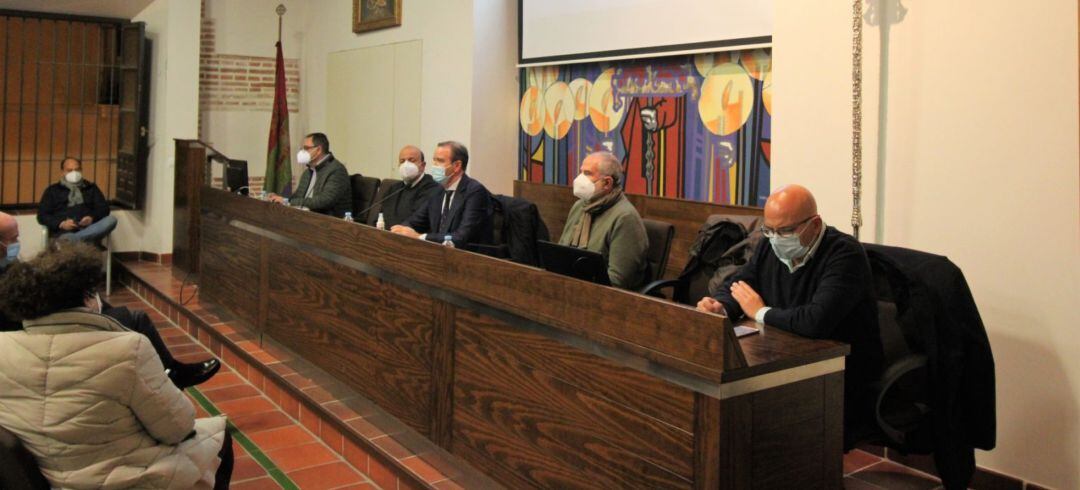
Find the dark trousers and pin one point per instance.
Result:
(224, 471)
(138, 321)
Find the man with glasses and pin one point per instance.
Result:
(324, 187)
(812, 280)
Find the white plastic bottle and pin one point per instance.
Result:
(380, 223)
(448, 241)
(348, 216)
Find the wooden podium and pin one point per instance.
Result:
(191, 175)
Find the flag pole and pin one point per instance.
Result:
(280, 14)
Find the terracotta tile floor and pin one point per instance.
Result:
(293, 456)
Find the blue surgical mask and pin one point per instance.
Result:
(787, 249)
(439, 174)
(12, 253)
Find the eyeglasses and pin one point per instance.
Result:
(785, 232)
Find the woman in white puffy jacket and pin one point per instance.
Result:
(89, 398)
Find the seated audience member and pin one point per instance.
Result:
(324, 187)
(461, 208)
(812, 280)
(9, 245)
(405, 198)
(108, 416)
(182, 374)
(74, 208)
(604, 221)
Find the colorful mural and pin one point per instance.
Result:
(693, 127)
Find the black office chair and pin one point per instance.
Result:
(364, 190)
(723, 241)
(517, 227)
(660, 234)
(18, 469)
(937, 392)
(377, 206)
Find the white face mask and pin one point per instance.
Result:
(584, 188)
(303, 157)
(408, 170)
(73, 177)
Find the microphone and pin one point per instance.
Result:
(380, 201)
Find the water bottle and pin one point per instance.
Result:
(448, 241)
(380, 223)
(262, 195)
(348, 216)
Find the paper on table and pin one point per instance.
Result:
(743, 331)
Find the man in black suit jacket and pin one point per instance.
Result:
(461, 208)
(405, 198)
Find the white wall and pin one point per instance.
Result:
(249, 28)
(495, 96)
(173, 27)
(445, 29)
(979, 162)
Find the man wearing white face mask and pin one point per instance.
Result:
(75, 208)
(604, 221)
(812, 280)
(324, 187)
(460, 208)
(413, 192)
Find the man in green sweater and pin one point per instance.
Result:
(604, 221)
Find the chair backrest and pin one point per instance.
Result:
(376, 208)
(364, 190)
(18, 469)
(660, 235)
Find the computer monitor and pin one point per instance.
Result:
(574, 262)
(236, 176)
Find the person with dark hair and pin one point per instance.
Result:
(183, 374)
(413, 192)
(108, 417)
(75, 208)
(462, 209)
(325, 187)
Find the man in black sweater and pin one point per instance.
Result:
(412, 193)
(814, 281)
(75, 208)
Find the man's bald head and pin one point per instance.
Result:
(9, 233)
(789, 205)
(9, 228)
(410, 153)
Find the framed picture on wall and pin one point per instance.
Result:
(369, 15)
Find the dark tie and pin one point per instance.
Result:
(444, 224)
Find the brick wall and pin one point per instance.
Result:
(241, 83)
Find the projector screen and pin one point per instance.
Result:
(561, 31)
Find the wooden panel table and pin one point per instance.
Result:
(537, 380)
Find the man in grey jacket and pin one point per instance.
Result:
(324, 187)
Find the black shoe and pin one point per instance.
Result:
(184, 374)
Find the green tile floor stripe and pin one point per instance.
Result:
(253, 450)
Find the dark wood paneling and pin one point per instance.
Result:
(442, 374)
(189, 174)
(230, 268)
(555, 201)
(372, 335)
(566, 434)
(536, 379)
(667, 334)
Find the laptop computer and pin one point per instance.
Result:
(573, 262)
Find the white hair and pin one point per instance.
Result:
(608, 165)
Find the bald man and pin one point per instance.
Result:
(9, 245)
(413, 192)
(812, 280)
